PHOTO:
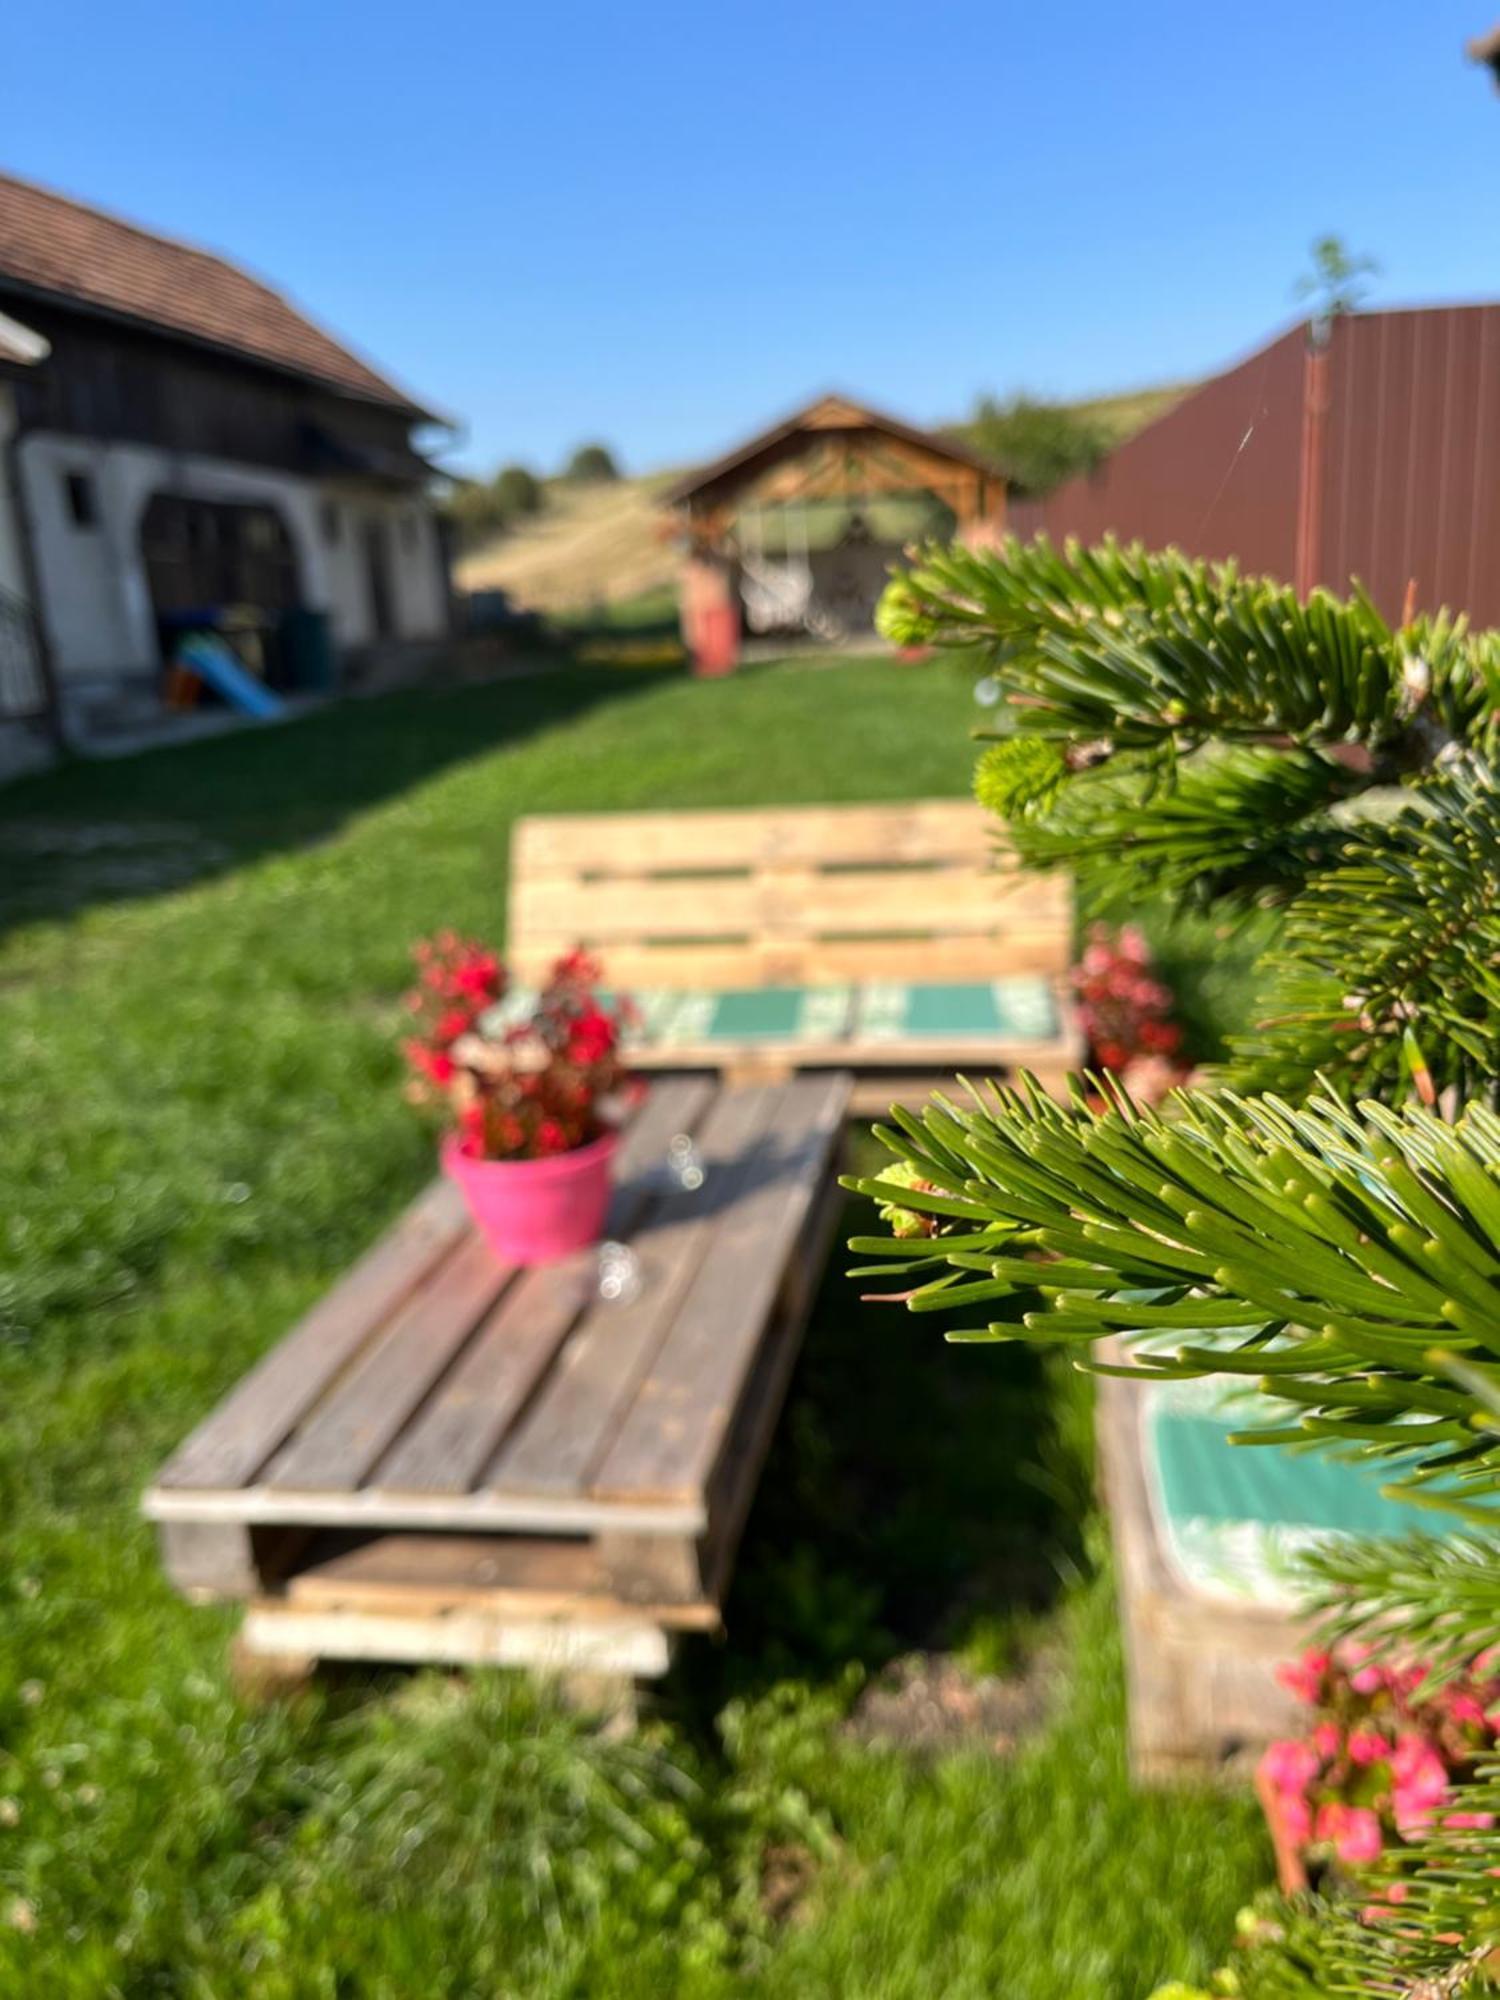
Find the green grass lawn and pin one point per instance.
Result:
(200, 953)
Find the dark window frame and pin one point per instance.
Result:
(81, 497)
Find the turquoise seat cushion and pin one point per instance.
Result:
(1021, 1009)
(1234, 1518)
(885, 1010)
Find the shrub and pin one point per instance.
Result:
(592, 464)
(1212, 739)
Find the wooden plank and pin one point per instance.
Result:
(479, 1511)
(631, 843)
(232, 1444)
(337, 1445)
(666, 1569)
(976, 1054)
(456, 1432)
(565, 1434)
(790, 961)
(208, 1559)
(632, 1645)
(515, 1576)
(672, 1435)
(922, 902)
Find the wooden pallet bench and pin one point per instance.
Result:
(452, 1460)
(1207, 1536)
(894, 941)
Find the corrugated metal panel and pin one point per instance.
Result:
(1412, 490)
(1411, 473)
(1216, 476)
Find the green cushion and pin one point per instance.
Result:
(885, 1010)
(1021, 1009)
(759, 1014)
(1235, 1517)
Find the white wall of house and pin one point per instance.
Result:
(92, 579)
(414, 564)
(12, 560)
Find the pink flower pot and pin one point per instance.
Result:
(536, 1211)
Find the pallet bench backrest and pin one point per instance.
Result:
(782, 895)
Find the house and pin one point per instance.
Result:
(181, 445)
(1363, 456)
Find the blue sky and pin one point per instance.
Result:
(665, 225)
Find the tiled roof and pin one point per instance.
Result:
(56, 246)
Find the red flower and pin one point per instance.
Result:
(471, 1131)
(452, 1023)
(1304, 1678)
(435, 1064)
(550, 1137)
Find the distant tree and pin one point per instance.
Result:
(474, 511)
(517, 491)
(1038, 445)
(1336, 283)
(593, 463)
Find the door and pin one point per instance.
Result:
(378, 571)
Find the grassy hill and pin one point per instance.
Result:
(590, 546)
(598, 546)
(1130, 411)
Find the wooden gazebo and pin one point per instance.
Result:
(834, 451)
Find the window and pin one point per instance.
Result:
(333, 523)
(83, 502)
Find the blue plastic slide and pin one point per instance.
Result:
(213, 662)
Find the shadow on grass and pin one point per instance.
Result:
(107, 831)
(916, 1495)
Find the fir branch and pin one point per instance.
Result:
(1161, 652)
(1339, 1256)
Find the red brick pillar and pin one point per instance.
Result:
(709, 609)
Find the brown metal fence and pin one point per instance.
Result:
(1396, 483)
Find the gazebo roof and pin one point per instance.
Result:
(830, 419)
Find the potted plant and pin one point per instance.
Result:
(532, 1087)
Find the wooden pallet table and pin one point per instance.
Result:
(452, 1460)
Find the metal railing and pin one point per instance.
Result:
(23, 684)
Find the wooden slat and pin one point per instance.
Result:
(516, 1576)
(456, 1432)
(672, 1435)
(347, 1433)
(634, 1644)
(790, 903)
(567, 1431)
(630, 843)
(232, 1444)
(813, 961)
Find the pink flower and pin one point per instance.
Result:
(1353, 1830)
(1304, 1678)
(1290, 1765)
(1470, 1822)
(1463, 1708)
(1367, 1746)
(1419, 1783)
(1365, 1677)
(1327, 1739)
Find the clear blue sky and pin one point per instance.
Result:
(664, 225)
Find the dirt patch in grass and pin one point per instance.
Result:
(930, 1702)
